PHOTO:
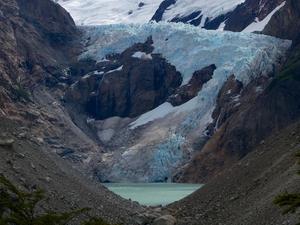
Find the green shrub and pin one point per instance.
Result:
(290, 202)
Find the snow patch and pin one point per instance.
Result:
(118, 69)
(209, 9)
(222, 26)
(98, 72)
(159, 112)
(260, 25)
(142, 55)
(86, 76)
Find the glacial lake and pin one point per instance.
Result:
(153, 194)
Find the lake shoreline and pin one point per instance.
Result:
(153, 194)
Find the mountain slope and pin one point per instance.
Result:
(243, 194)
(38, 40)
(260, 113)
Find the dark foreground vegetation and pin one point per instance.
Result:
(289, 201)
(19, 207)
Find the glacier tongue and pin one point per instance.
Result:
(189, 48)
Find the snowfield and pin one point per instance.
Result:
(100, 12)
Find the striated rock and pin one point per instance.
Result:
(227, 101)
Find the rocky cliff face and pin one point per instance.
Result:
(285, 24)
(35, 41)
(266, 107)
(188, 91)
(249, 12)
(131, 84)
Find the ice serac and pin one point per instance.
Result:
(155, 145)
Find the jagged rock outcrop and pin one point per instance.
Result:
(227, 103)
(190, 90)
(158, 15)
(135, 82)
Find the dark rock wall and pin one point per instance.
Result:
(286, 23)
(36, 37)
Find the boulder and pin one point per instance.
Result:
(165, 220)
(7, 143)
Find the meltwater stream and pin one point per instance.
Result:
(153, 194)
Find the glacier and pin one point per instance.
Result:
(167, 131)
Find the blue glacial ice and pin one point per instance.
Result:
(189, 48)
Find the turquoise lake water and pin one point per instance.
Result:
(152, 194)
